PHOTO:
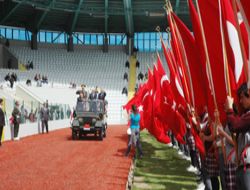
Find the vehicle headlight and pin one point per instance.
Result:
(80, 120)
(75, 123)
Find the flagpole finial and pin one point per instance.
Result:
(158, 29)
(165, 7)
(168, 29)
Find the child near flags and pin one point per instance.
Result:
(135, 131)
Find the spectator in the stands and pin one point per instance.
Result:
(140, 76)
(146, 75)
(11, 78)
(11, 82)
(28, 82)
(43, 79)
(127, 64)
(36, 77)
(14, 76)
(31, 66)
(72, 85)
(46, 79)
(125, 76)
(136, 87)
(125, 91)
(137, 64)
(7, 77)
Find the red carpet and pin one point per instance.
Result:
(54, 161)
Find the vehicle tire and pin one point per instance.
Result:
(74, 135)
(101, 135)
(104, 132)
(80, 134)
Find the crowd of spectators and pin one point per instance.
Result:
(72, 85)
(29, 65)
(41, 79)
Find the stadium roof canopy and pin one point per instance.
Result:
(101, 16)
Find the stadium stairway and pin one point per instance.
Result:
(132, 77)
(21, 67)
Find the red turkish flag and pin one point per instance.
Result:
(168, 115)
(211, 26)
(147, 102)
(177, 50)
(194, 64)
(234, 54)
(160, 131)
(174, 79)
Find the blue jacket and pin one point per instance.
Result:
(134, 121)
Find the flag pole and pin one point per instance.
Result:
(246, 24)
(168, 10)
(171, 61)
(184, 57)
(226, 71)
(224, 53)
(210, 76)
(242, 47)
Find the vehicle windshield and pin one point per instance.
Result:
(90, 106)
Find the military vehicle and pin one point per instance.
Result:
(89, 118)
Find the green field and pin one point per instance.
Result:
(161, 168)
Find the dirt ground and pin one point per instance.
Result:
(54, 161)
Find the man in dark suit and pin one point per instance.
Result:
(2, 120)
(45, 117)
(17, 120)
(102, 95)
(92, 98)
(93, 95)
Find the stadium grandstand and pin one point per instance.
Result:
(80, 42)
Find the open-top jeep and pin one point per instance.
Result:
(89, 118)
